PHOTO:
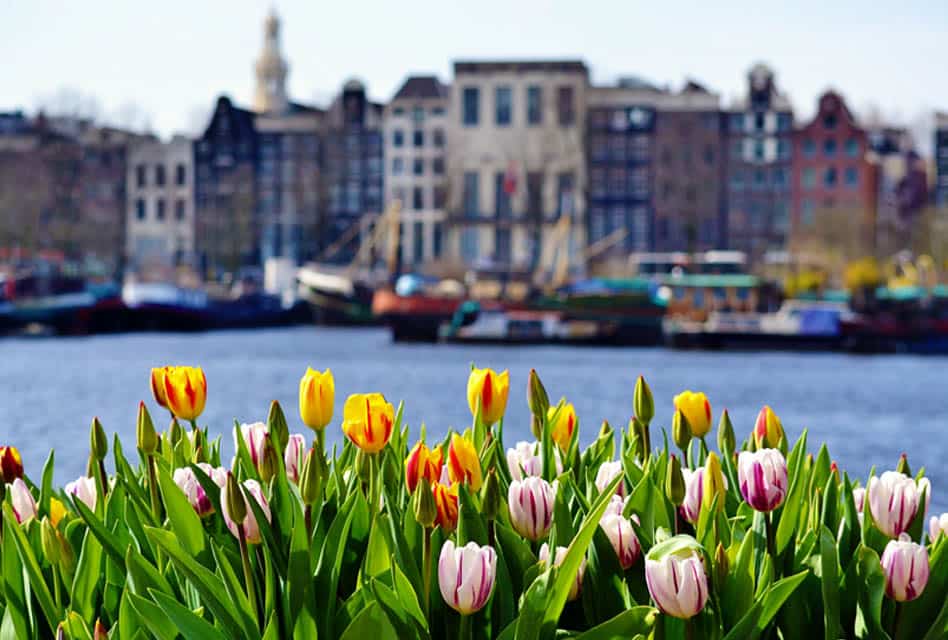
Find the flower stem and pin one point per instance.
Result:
(464, 632)
(57, 590)
(321, 441)
(426, 564)
(155, 502)
(769, 526)
(248, 573)
(103, 479)
(689, 629)
(898, 619)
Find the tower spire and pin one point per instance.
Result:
(270, 70)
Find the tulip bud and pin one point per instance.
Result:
(24, 506)
(531, 507)
(681, 431)
(768, 429)
(233, 496)
(937, 526)
(269, 460)
(84, 489)
(311, 478)
(536, 426)
(762, 476)
(721, 567)
(622, 537)
(491, 498)
(49, 538)
(488, 390)
(905, 565)
(101, 633)
(60, 632)
(175, 433)
(145, 431)
(463, 463)
(537, 399)
(605, 429)
(11, 465)
(525, 460)
(726, 439)
(277, 427)
(423, 504)
(903, 466)
(606, 473)
(676, 577)
(642, 402)
(714, 485)
(235, 504)
(466, 576)
(98, 441)
(674, 482)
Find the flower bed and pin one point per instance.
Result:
(393, 536)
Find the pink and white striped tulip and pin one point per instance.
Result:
(251, 526)
(253, 435)
(893, 502)
(859, 497)
(577, 585)
(622, 536)
(531, 506)
(762, 476)
(24, 506)
(293, 456)
(606, 473)
(84, 488)
(905, 565)
(466, 576)
(188, 483)
(676, 578)
(937, 525)
(525, 460)
(690, 509)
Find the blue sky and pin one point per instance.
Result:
(172, 58)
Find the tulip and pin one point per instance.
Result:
(859, 497)
(697, 410)
(463, 463)
(253, 435)
(905, 565)
(768, 431)
(714, 484)
(24, 506)
(762, 477)
(676, 577)
(423, 505)
(466, 576)
(621, 534)
(557, 561)
(422, 462)
(694, 493)
(250, 525)
(11, 465)
(605, 475)
(446, 505)
(674, 482)
(561, 431)
(893, 502)
(489, 390)
(56, 511)
(937, 525)
(368, 420)
(537, 399)
(185, 391)
(83, 488)
(525, 460)
(492, 500)
(293, 456)
(158, 385)
(643, 404)
(531, 507)
(681, 430)
(317, 396)
(187, 481)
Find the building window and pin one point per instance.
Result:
(437, 239)
(179, 210)
(809, 178)
(470, 239)
(471, 193)
(534, 105)
(806, 213)
(809, 148)
(418, 166)
(437, 111)
(708, 155)
(140, 177)
(398, 166)
(639, 148)
(440, 197)
(438, 138)
(617, 183)
(160, 175)
(564, 193)
(784, 121)
(759, 121)
(597, 183)
(437, 165)
(140, 209)
(737, 122)
(760, 178)
(181, 175)
(418, 242)
(471, 106)
(783, 149)
(398, 111)
(780, 177)
(638, 183)
(418, 115)
(597, 224)
(502, 106)
(829, 121)
(758, 149)
(829, 178)
(417, 198)
(737, 178)
(852, 177)
(501, 197)
(535, 194)
(160, 210)
(398, 138)
(829, 147)
(418, 138)
(852, 148)
(565, 106)
(599, 148)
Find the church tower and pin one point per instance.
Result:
(271, 69)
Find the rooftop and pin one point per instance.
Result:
(520, 66)
(421, 87)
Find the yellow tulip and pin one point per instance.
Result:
(767, 430)
(713, 483)
(463, 463)
(697, 410)
(490, 389)
(562, 429)
(367, 420)
(56, 511)
(158, 385)
(317, 395)
(185, 391)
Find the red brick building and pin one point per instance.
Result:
(831, 172)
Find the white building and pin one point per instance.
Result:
(516, 159)
(415, 135)
(159, 188)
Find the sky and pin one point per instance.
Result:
(163, 63)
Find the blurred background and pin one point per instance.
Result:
(749, 203)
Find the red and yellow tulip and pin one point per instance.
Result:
(185, 391)
(463, 463)
(11, 465)
(446, 503)
(158, 385)
(487, 388)
(422, 462)
(367, 420)
(562, 429)
(697, 409)
(767, 430)
(317, 396)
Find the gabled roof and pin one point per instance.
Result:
(421, 87)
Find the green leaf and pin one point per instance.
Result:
(872, 580)
(15, 593)
(776, 595)
(330, 565)
(76, 628)
(739, 586)
(153, 617)
(86, 580)
(236, 588)
(637, 620)
(32, 567)
(185, 521)
(105, 537)
(829, 566)
(370, 622)
(189, 624)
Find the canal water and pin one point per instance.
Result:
(868, 409)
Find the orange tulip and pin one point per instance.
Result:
(562, 429)
(11, 465)
(446, 503)
(367, 420)
(490, 390)
(463, 463)
(422, 462)
(185, 391)
(158, 385)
